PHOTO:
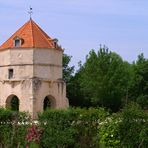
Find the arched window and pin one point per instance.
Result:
(49, 102)
(12, 103)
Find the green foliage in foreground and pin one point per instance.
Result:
(133, 129)
(76, 128)
(128, 129)
(71, 128)
(109, 132)
(12, 132)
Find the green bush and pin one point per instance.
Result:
(76, 128)
(70, 128)
(133, 129)
(128, 129)
(12, 130)
(109, 132)
(142, 100)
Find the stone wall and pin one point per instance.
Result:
(37, 73)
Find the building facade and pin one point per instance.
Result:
(31, 71)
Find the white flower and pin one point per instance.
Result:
(112, 135)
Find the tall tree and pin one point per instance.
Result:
(104, 79)
(75, 93)
(139, 85)
(67, 70)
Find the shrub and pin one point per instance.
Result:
(70, 128)
(12, 130)
(126, 129)
(108, 132)
(133, 129)
(143, 101)
(33, 136)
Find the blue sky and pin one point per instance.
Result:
(81, 25)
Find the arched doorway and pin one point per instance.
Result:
(12, 103)
(49, 103)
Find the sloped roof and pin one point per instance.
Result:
(32, 36)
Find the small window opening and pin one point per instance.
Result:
(10, 73)
(55, 43)
(17, 41)
(47, 103)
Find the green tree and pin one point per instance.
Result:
(139, 84)
(72, 82)
(75, 93)
(67, 70)
(104, 79)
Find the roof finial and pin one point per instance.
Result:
(30, 12)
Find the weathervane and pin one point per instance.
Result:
(30, 12)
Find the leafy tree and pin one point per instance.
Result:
(104, 79)
(139, 85)
(72, 88)
(67, 70)
(74, 92)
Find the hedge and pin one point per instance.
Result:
(71, 128)
(127, 129)
(75, 128)
(12, 130)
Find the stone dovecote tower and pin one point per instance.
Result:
(31, 71)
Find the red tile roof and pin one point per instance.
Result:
(32, 36)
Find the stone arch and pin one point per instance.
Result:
(13, 102)
(49, 102)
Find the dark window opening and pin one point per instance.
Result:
(17, 43)
(15, 104)
(12, 103)
(10, 73)
(55, 43)
(47, 103)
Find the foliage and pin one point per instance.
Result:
(133, 129)
(67, 70)
(142, 100)
(75, 94)
(76, 127)
(70, 128)
(12, 133)
(108, 132)
(138, 91)
(104, 79)
(71, 81)
(34, 134)
(126, 129)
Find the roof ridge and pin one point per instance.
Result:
(31, 23)
(45, 36)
